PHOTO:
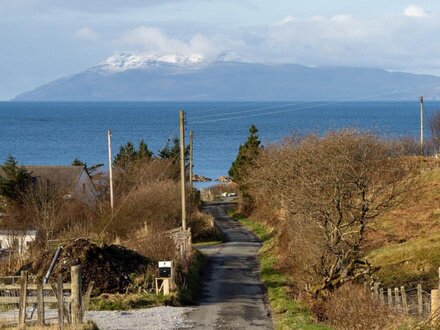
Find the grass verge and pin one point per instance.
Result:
(286, 312)
(191, 280)
(122, 302)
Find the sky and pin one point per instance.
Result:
(43, 40)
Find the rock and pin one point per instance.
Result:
(223, 179)
(201, 178)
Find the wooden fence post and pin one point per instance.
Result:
(60, 297)
(438, 278)
(404, 301)
(40, 302)
(434, 305)
(396, 297)
(76, 295)
(23, 300)
(376, 290)
(381, 296)
(419, 299)
(390, 297)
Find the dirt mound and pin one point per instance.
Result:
(110, 266)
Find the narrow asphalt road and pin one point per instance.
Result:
(232, 295)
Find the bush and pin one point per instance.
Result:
(351, 307)
(325, 191)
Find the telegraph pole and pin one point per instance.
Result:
(190, 160)
(182, 167)
(110, 169)
(421, 126)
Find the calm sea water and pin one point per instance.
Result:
(57, 133)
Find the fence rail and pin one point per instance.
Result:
(30, 294)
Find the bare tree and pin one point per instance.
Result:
(43, 203)
(329, 189)
(434, 127)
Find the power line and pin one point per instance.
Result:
(235, 105)
(252, 110)
(312, 106)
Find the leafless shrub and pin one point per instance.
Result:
(154, 205)
(404, 146)
(434, 127)
(326, 190)
(155, 245)
(140, 173)
(202, 227)
(351, 307)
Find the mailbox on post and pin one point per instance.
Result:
(165, 268)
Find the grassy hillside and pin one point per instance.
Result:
(405, 241)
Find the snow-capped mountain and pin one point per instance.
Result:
(123, 62)
(227, 77)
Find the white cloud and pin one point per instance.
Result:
(383, 42)
(414, 11)
(87, 34)
(288, 19)
(154, 40)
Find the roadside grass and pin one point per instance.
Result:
(192, 279)
(207, 243)
(122, 302)
(286, 312)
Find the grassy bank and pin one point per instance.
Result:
(406, 239)
(286, 312)
(123, 302)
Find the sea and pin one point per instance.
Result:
(55, 133)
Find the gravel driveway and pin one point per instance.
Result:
(160, 318)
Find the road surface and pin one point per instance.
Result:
(232, 295)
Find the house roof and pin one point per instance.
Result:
(65, 177)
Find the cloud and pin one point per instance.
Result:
(341, 40)
(154, 40)
(288, 19)
(414, 11)
(84, 5)
(87, 34)
(384, 42)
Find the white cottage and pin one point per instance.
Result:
(17, 241)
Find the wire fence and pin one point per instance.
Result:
(414, 301)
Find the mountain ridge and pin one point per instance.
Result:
(127, 77)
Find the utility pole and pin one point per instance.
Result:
(421, 126)
(182, 167)
(190, 160)
(110, 169)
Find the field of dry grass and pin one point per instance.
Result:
(404, 242)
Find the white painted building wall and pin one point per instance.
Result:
(17, 240)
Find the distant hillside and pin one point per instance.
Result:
(172, 78)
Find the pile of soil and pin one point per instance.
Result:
(110, 266)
